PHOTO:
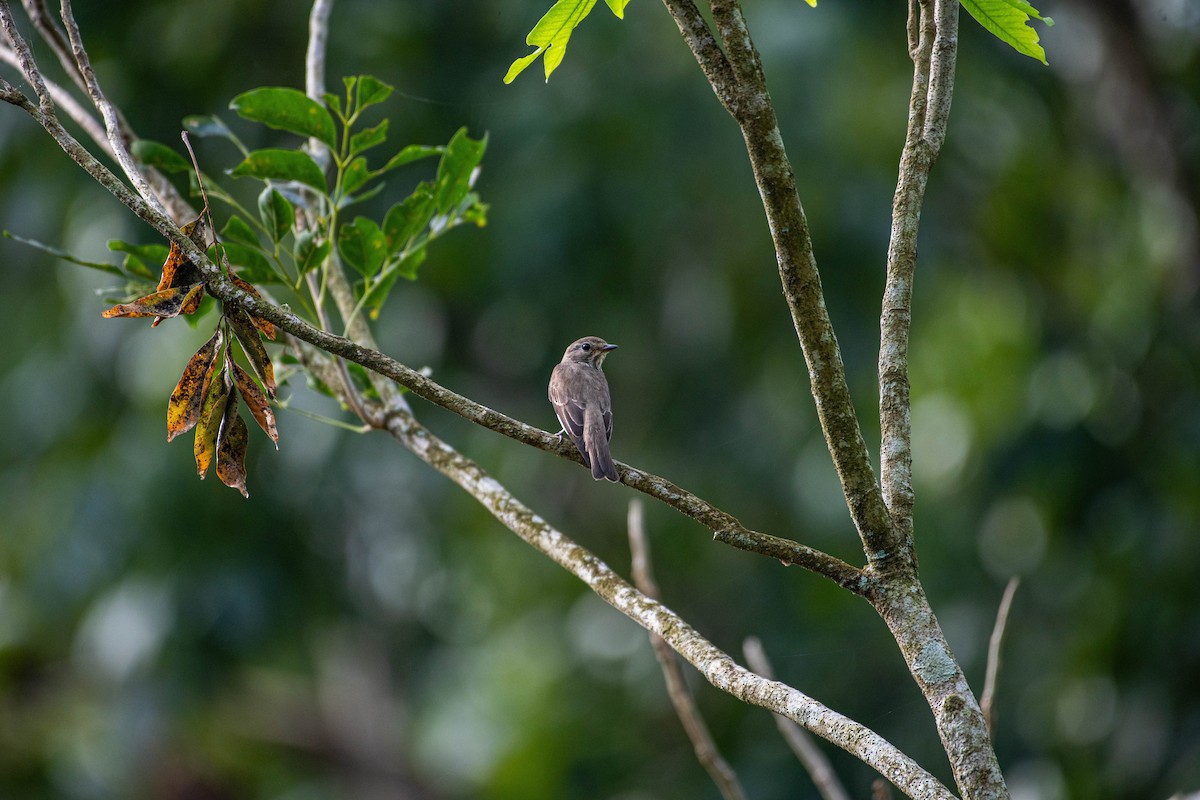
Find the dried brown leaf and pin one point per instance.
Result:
(231, 447)
(263, 325)
(252, 346)
(256, 401)
(183, 409)
(212, 412)
(166, 303)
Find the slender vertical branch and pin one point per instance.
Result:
(685, 708)
(108, 112)
(988, 698)
(802, 745)
(933, 37)
(736, 77)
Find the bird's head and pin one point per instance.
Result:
(588, 350)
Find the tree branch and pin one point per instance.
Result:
(814, 761)
(747, 100)
(995, 642)
(685, 708)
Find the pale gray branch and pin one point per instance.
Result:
(685, 708)
(995, 642)
(108, 112)
(806, 751)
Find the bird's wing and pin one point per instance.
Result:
(570, 416)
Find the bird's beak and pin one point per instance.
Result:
(608, 347)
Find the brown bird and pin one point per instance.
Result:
(579, 392)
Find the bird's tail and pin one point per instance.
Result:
(596, 443)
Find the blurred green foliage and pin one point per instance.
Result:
(360, 629)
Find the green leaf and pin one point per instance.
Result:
(371, 90)
(276, 212)
(414, 152)
(552, 32)
(355, 176)
(158, 155)
(366, 139)
(408, 266)
(141, 259)
(281, 165)
(377, 294)
(287, 109)
(362, 245)
(618, 6)
(212, 126)
(65, 256)
(238, 230)
(408, 217)
(307, 253)
(455, 171)
(1006, 20)
(254, 266)
(334, 103)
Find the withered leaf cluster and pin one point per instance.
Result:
(206, 396)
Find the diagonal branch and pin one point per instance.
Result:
(108, 112)
(746, 98)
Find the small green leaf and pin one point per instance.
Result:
(408, 217)
(334, 104)
(355, 176)
(282, 165)
(411, 262)
(253, 265)
(276, 212)
(158, 155)
(414, 152)
(238, 230)
(552, 33)
(362, 245)
(1007, 21)
(455, 171)
(366, 139)
(287, 109)
(141, 259)
(377, 294)
(307, 253)
(371, 90)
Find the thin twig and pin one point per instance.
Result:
(685, 708)
(108, 112)
(806, 751)
(995, 642)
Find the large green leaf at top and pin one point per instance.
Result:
(1007, 21)
(287, 109)
(552, 32)
(282, 165)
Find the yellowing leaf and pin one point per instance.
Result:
(167, 303)
(263, 325)
(212, 411)
(231, 447)
(256, 401)
(183, 409)
(252, 346)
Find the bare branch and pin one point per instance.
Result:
(314, 67)
(695, 31)
(66, 101)
(818, 766)
(43, 23)
(995, 642)
(685, 708)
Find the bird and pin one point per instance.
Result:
(579, 392)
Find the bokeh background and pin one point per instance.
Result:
(360, 629)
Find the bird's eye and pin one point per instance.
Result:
(585, 347)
